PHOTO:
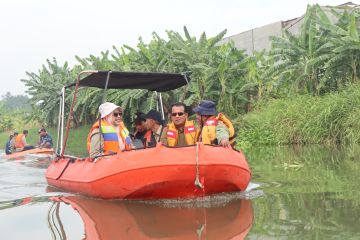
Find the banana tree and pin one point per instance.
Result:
(44, 88)
(343, 43)
(294, 57)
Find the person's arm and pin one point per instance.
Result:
(23, 139)
(222, 134)
(95, 140)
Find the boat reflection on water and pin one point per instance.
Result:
(108, 220)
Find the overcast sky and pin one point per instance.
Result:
(35, 30)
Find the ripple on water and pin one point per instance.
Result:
(19, 179)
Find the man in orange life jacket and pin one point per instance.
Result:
(181, 132)
(20, 142)
(216, 128)
(108, 135)
(156, 132)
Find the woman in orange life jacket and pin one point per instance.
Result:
(156, 132)
(215, 127)
(113, 137)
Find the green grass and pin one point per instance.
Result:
(76, 144)
(333, 118)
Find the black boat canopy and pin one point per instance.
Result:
(160, 82)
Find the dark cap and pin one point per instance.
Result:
(154, 115)
(206, 107)
(140, 117)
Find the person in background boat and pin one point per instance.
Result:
(140, 128)
(109, 135)
(13, 143)
(156, 131)
(215, 127)
(20, 142)
(45, 140)
(181, 131)
(8, 149)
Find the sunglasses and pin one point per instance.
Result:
(117, 114)
(177, 113)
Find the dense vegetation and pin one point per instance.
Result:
(333, 118)
(14, 110)
(298, 80)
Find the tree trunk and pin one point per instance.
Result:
(250, 98)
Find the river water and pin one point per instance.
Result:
(307, 192)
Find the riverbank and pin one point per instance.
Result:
(304, 119)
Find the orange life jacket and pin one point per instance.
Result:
(189, 130)
(111, 137)
(147, 138)
(19, 142)
(208, 133)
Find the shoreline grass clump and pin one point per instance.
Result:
(329, 119)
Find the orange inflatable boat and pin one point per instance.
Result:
(31, 151)
(152, 173)
(133, 220)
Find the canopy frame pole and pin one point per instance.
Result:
(102, 101)
(106, 86)
(162, 107)
(186, 87)
(72, 111)
(60, 120)
(159, 105)
(157, 102)
(186, 79)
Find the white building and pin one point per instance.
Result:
(258, 39)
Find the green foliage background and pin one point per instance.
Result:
(303, 90)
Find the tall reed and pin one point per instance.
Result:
(333, 118)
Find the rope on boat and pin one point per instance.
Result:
(200, 230)
(197, 181)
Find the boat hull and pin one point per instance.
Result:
(31, 151)
(153, 173)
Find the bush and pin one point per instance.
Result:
(333, 118)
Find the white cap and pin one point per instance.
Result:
(106, 108)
